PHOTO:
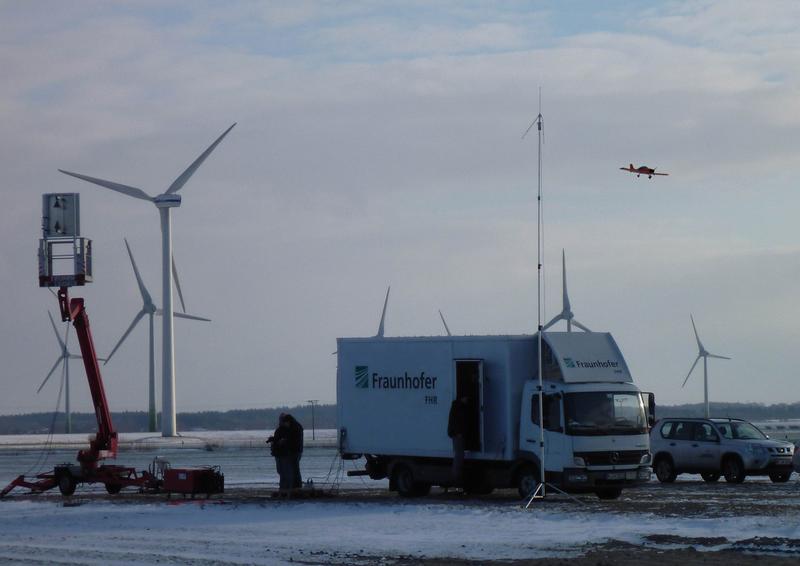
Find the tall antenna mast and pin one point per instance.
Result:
(541, 489)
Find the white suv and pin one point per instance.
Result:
(714, 447)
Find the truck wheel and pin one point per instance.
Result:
(113, 488)
(665, 471)
(710, 477)
(733, 470)
(527, 480)
(609, 493)
(403, 481)
(421, 489)
(67, 484)
(780, 477)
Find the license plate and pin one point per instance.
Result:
(621, 475)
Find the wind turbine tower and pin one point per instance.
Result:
(705, 354)
(164, 202)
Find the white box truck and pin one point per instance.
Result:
(394, 397)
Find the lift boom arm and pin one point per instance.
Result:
(104, 444)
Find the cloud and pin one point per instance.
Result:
(378, 147)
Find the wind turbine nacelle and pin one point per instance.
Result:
(167, 200)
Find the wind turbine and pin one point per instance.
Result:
(705, 354)
(149, 308)
(566, 310)
(63, 358)
(164, 202)
(383, 313)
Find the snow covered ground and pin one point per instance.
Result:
(334, 532)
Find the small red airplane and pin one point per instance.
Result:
(643, 170)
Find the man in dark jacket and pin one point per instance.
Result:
(280, 445)
(457, 430)
(295, 450)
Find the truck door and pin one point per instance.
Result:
(553, 430)
(469, 384)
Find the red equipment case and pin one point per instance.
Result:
(190, 481)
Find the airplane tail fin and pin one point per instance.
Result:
(630, 166)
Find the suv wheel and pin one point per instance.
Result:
(710, 477)
(780, 477)
(665, 471)
(733, 470)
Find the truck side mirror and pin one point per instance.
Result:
(651, 409)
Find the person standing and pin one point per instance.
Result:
(295, 450)
(279, 448)
(456, 430)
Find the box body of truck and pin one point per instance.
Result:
(394, 397)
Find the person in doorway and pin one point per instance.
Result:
(457, 430)
(295, 450)
(280, 449)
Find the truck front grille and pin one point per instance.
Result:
(612, 458)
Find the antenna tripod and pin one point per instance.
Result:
(541, 489)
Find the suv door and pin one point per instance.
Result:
(679, 444)
(704, 451)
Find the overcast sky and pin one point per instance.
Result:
(379, 143)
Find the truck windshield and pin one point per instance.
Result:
(604, 413)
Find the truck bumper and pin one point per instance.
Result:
(576, 479)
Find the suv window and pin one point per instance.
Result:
(682, 431)
(704, 432)
(666, 429)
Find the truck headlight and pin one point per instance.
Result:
(578, 461)
(646, 458)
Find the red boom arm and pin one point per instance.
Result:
(104, 444)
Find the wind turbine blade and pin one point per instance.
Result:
(383, 314)
(189, 316)
(555, 319)
(579, 325)
(697, 337)
(445, 323)
(120, 188)
(55, 365)
(697, 359)
(177, 284)
(718, 357)
(181, 180)
(146, 298)
(58, 336)
(136, 319)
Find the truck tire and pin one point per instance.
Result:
(67, 484)
(421, 489)
(527, 480)
(733, 470)
(780, 477)
(710, 477)
(609, 493)
(665, 470)
(403, 480)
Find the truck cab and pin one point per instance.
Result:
(596, 436)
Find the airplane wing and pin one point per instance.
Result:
(664, 174)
